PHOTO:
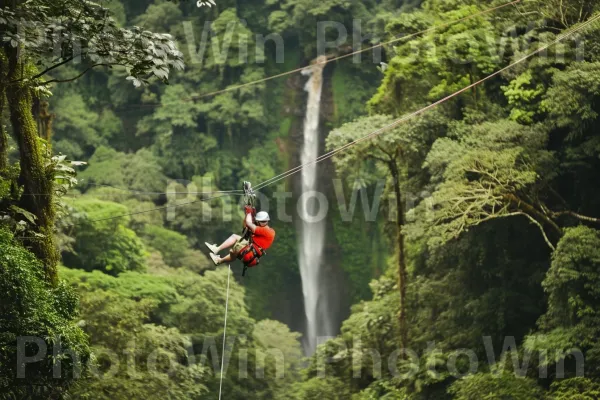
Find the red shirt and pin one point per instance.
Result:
(264, 236)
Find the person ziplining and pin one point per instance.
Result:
(256, 238)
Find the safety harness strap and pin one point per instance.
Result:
(257, 253)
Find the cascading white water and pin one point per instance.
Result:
(318, 321)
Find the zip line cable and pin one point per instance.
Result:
(331, 153)
(224, 330)
(360, 51)
(277, 76)
(142, 212)
(140, 192)
(155, 209)
(165, 193)
(160, 208)
(489, 10)
(425, 31)
(377, 132)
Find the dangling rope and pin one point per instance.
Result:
(224, 330)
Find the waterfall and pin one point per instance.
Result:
(312, 231)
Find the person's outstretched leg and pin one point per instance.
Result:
(228, 243)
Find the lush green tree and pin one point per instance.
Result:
(147, 314)
(134, 358)
(184, 302)
(27, 64)
(76, 118)
(433, 66)
(574, 388)
(280, 354)
(178, 153)
(382, 389)
(485, 386)
(301, 18)
(571, 321)
(139, 175)
(102, 239)
(327, 388)
(387, 154)
(132, 285)
(160, 17)
(567, 13)
(571, 281)
(524, 98)
(499, 170)
(379, 317)
(203, 217)
(37, 319)
(171, 244)
(174, 248)
(569, 99)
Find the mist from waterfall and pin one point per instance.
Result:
(312, 231)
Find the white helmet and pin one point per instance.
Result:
(262, 216)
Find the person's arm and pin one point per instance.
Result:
(249, 223)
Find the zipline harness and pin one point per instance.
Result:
(251, 254)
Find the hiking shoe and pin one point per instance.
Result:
(212, 247)
(215, 258)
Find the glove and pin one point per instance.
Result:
(249, 210)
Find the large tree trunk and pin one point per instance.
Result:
(37, 182)
(3, 137)
(402, 274)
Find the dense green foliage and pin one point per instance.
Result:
(153, 329)
(32, 311)
(102, 243)
(502, 244)
(477, 251)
